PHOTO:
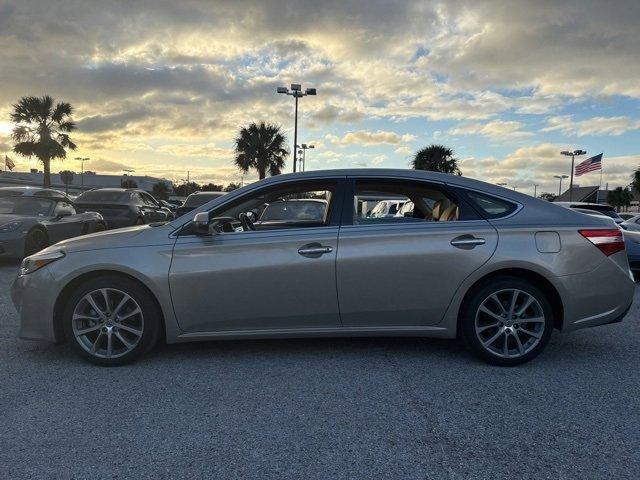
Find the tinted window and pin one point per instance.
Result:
(428, 203)
(104, 196)
(27, 206)
(491, 207)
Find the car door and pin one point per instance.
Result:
(65, 222)
(280, 276)
(403, 271)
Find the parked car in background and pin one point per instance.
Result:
(294, 211)
(171, 206)
(632, 223)
(196, 200)
(31, 219)
(497, 268)
(627, 215)
(386, 208)
(124, 207)
(601, 208)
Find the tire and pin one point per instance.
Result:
(515, 340)
(131, 336)
(35, 241)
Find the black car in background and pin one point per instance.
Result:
(31, 219)
(195, 200)
(123, 207)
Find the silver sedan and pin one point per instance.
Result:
(498, 269)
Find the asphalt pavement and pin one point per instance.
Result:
(321, 409)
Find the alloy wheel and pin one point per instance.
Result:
(510, 323)
(107, 323)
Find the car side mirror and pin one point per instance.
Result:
(201, 223)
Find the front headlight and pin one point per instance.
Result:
(10, 227)
(39, 260)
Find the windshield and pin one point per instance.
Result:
(104, 196)
(27, 206)
(294, 210)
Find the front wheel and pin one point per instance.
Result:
(507, 322)
(112, 320)
(35, 241)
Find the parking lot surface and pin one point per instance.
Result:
(331, 408)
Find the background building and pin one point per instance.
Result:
(80, 183)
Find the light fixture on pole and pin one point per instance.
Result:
(296, 92)
(560, 177)
(127, 172)
(82, 160)
(573, 155)
(303, 151)
(501, 184)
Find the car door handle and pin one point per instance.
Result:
(467, 242)
(314, 250)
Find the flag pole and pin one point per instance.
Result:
(601, 169)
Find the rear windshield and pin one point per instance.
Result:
(197, 200)
(491, 207)
(104, 196)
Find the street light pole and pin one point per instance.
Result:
(296, 92)
(573, 155)
(303, 150)
(561, 177)
(535, 190)
(82, 160)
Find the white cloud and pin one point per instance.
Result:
(592, 126)
(364, 137)
(496, 129)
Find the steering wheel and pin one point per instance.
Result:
(246, 222)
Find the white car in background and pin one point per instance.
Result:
(387, 208)
(632, 224)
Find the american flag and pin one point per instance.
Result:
(589, 165)
(8, 163)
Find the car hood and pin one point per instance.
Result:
(122, 237)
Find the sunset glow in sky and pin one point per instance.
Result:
(163, 86)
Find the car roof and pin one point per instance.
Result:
(33, 192)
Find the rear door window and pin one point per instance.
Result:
(489, 206)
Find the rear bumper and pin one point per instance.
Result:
(601, 296)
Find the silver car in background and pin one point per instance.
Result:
(498, 269)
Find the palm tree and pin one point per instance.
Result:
(436, 158)
(620, 197)
(161, 190)
(261, 147)
(41, 130)
(635, 181)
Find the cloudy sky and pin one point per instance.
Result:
(163, 86)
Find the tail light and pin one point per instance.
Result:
(608, 241)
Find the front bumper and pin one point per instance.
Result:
(34, 297)
(12, 245)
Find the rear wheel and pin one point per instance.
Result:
(507, 322)
(35, 241)
(112, 320)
